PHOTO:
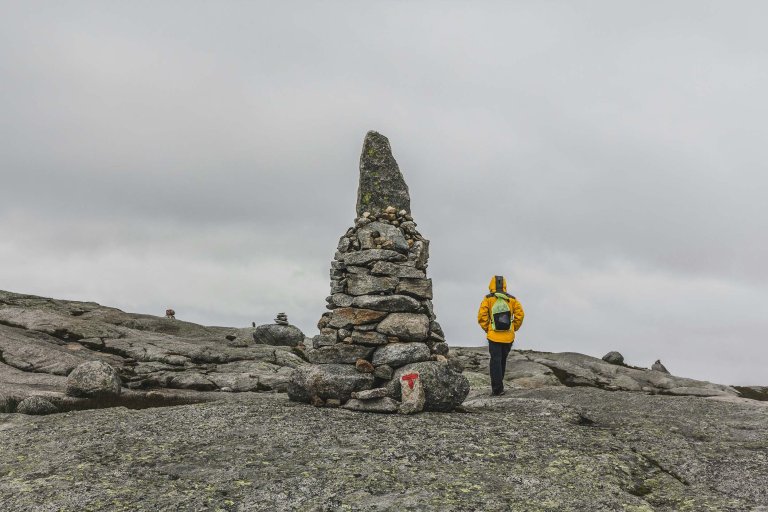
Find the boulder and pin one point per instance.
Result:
(381, 183)
(406, 326)
(326, 381)
(383, 405)
(35, 405)
(343, 317)
(280, 335)
(399, 354)
(389, 303)
(444, 389)
(93, 379)
(614, 357)
(340, 353)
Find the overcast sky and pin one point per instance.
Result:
(204, 156)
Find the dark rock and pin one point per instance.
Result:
(383, 372)
(614, 357)
(36, 405)
(387, 268)
(364, 366)
(444, 389)
(381, 183)
(390, 303)
(657, 366)
(399, 354)
(340, 353)
(362, 258)
(372, 338)
(343, 317)
(362, 284)
(327, 381)
(93, 379)
(279, 335)
(419, 288)
(440, 348)
(406, 326)
(382, 405)
(436, 328)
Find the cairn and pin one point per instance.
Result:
(381, 332)
(281, 319)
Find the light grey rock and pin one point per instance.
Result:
(380, 405)
(343, 317)
(36, 405)
(362, 258)
(419, 288)
(420, 253)
(614, 357)
(444, 389)
(412, 399)
(381, 183)
(370, 394)
(279, 335)
(341, 300)
(406, 326)
(387, 268)
(390, 303)
(93, 379)
(362, 284)
(192, 380)
(326, 381)
(399, 354)
(367, 234)
(340, 353)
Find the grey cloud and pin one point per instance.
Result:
(205, 156)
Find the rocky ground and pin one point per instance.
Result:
(573, 433)
(554, 448)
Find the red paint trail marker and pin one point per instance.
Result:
(410, 378)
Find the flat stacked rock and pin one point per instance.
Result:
(381, 317)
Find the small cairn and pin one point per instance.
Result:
(381, 331)
(281, 319)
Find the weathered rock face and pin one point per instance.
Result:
(444, 389)
(278, 334)
(93, 379)
(381, 183)
(382, 316)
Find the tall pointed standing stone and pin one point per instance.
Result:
(381, 327)
(381, 183)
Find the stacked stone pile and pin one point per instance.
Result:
(381, 319)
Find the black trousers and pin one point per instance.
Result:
(499, 353)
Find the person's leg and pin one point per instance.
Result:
(504, 353)
(497, 384)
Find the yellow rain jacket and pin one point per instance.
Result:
(484, 314)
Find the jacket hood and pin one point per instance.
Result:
(492, 285)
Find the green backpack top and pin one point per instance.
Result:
(501, 315)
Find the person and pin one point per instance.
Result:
(500, 316)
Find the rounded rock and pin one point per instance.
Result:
(93, 379)
(36, 405)
(614, 357)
